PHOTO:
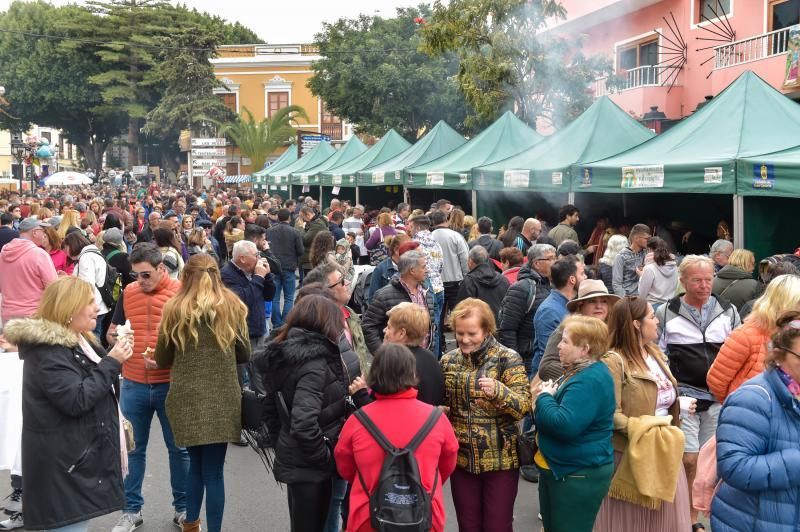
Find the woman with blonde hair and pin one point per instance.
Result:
(486, 394)
(384, 228)
(471, 228)
(742, 355)
(202, 337)
(606, 263)
(456, 221)
(73, 455)
(646, 397)
(70, 218)
(734, 282)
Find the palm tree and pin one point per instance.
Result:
(257, 141)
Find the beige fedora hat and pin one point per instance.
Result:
(590, 289)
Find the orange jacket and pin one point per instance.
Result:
(144, 312)
(740, 358)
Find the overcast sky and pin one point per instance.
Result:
(284, 21)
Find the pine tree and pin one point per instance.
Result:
(134, 32)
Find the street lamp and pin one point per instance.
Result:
(19, 151)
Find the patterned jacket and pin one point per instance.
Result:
(486, 429)
(434, 257)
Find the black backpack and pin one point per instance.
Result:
(111, 288)
(400, 502)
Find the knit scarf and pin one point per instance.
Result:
(574, 369)
(791, 384)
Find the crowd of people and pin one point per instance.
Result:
(391, 351)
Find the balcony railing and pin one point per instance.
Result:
(643, 76)
(333, 130)
(751, 49)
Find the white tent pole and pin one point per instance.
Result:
(358, 195)
(474, 203)
(738, 221)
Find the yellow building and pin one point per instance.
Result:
(265, 78)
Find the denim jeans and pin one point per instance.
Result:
(206, 463)
(83, 526)
(438, 304)
(138, 403)
(334, 521)
(286, 282)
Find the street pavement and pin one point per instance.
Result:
(254, 501)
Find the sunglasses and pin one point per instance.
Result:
(143, 275)
(341, 281)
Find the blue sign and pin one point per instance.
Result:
(763, 176)
(586, 177)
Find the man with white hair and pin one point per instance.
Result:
(248, 275)
(408, 286)
(692, 329)
(720, 253)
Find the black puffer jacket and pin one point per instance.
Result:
(515, 329)
(307, 370)
(70, 427)
(375, 319)
(317, 225)
(485, 283)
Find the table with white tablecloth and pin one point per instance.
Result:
(10, 412)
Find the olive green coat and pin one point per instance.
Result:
(204, 403)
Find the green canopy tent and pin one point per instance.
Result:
(699, 154)
(345, 174)
(507, 136)
(438, 141)
(769, 186)
(601, 131)
(286, 158)
(352, 149)
(318, 154)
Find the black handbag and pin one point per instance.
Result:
(252, 409)
(527, 447)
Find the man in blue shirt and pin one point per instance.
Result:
(565, 276)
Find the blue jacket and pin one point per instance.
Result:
(381, 275)
(575, 426)
(253, 292)
(548, 317)
(758, 459)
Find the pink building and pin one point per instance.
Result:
(648, 39)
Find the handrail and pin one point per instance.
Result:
(751, 49)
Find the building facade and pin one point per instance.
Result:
(265, 78)
(674, 54)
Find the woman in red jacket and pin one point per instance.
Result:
(399, 416)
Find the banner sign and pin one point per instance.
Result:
(435, 179)
(713, 176)
(792, 76)
(558, 178)
(516, 178)
(643, 176)
(586, 177)
(763, 176)
(207, 143)
(209, 152)
(308, 140)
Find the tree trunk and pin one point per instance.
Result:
(133, 142)
(93, 152)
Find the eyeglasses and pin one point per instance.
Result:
(341, 281)
(143, 275)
